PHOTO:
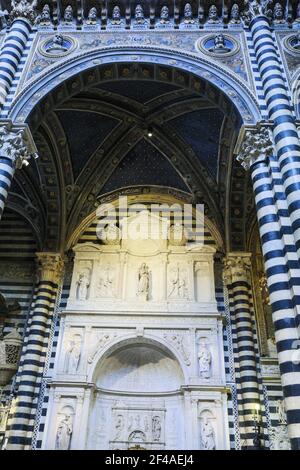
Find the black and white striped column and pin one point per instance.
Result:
(281, 265)
(16, 147)
(280, 111)
(7, 170)
(11, 53)
(33, 357)
(237, 278)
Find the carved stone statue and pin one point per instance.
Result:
(219, 45)
(207, 435)
(64, 433)
(278, 14)
(178, 285)
(24, 9)
(73, 354)
(280, 409)
(116, 15)
(213, 17)
(119, 426)
(164, 15)
(177, 234)
(83, 285)
(56, 46)
(143, 282)
(92, 16)
(139, 14)
(44, 19)
(68, 15)
(204, 360)
(106, 282)
(235, 14)
(188, 14)
(156, 428)
(12, 146)
(272, 350)
(110, 235)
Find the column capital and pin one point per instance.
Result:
(49, 266)
(16, 143)
(256, 8)
(24, 9)
(254, 145)
(237, 266)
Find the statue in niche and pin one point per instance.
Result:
(280, 409)
(73, 354)
(156, 428)
(207, 435)
(278, 14)
(119, 426)
(106, 282)
(83, 284)
(44, 19)
(178, 285)
(188, 14)
(68, 15)
(116, 15)
(64, 433)
(139, 14)
(235, 14)
(56, 46)
(146, 424)
(219, 45)
(143, 282)
(204, 360)
(92, 16)
(213, 17)
(164, 15)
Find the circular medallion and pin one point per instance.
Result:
(292, 43)
(217, 45)
(57, 45)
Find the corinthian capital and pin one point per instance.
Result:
(256, 146)
(237, 267)
(49, 266)
(255, 8)
(15, 146)
(24, 9)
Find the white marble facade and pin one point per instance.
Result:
(140, 355)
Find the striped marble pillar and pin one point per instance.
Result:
(281, 265)
(33, 357)
(16, 147)
(237, 270)
(11, 53)
(280, 112)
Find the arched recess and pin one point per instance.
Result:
(157, 344)
(52, 88)
(146, 197)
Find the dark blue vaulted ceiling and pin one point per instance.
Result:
(144, 165)
(85, 131)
